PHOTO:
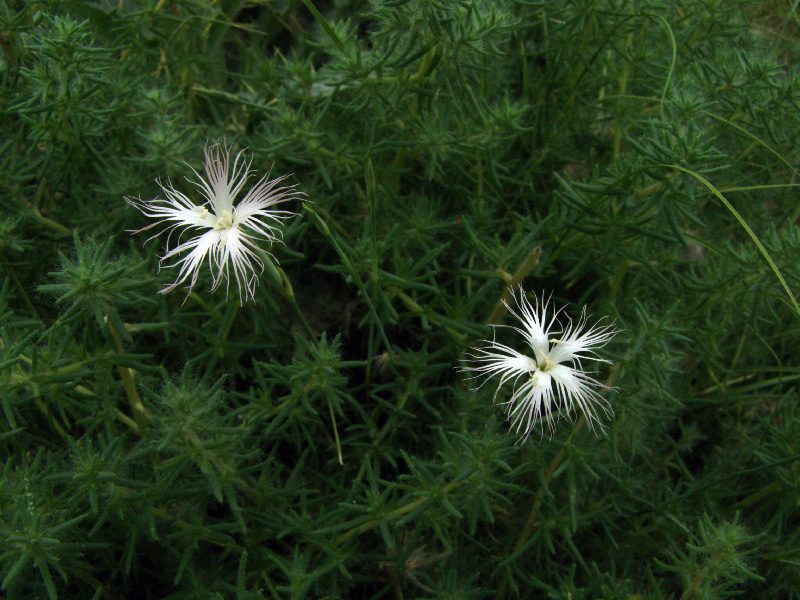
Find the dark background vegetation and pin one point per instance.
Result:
(649, 149)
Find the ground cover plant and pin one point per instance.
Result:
(456, 299)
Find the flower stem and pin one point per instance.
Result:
(424, 313)
(126, 375)
(530, 263)
(280, 282)
(335, 432)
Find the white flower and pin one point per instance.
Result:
(549, 382)
(227, 234)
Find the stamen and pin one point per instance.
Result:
(546, 364)
(225, 221)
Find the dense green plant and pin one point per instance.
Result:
(637, 158)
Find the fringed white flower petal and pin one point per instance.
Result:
(226, 233)
(548, 383)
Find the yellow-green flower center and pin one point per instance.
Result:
(546, 364)
(224, 221)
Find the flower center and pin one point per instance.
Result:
(224, 221)
(546, 364)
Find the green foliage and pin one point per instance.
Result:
(716, 562)
(94, 284)
(638, 158)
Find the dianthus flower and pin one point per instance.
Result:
(228, 235)
(549, 382)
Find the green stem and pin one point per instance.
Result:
(324, 24)
(695, 585)
(530, 263)
(425, 313)
(280, 283)
(398, 512)
(306, 327)
(126, 375)
(335, 432)
(51, 224)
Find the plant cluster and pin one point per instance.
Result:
(296, 418)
